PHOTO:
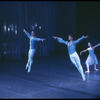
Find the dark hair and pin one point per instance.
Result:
(90, 43)
(70, 35)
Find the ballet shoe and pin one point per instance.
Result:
(84, 78)
(96, 69)
(87, 71)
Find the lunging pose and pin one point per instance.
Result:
(31, 52)
(91, 59)
(72, 52)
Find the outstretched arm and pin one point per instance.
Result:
(78, 40)
(38, 39)
(83, 51)
(96, 45)
(27, 33)
(59, 39)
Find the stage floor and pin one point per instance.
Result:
(53, 77)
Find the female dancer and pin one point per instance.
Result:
(91, 59)
(31, 52)
(72, 52)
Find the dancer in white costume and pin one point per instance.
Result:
(91, 59)
(71, 45)
(31, 52)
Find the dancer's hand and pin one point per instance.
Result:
(80, 53)
(85, 37)
(43, 40)
(54, 37)
(24, 30)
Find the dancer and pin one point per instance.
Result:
(31, 52)
(91, 59)
(72, 52)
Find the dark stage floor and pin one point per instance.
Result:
(54, 77)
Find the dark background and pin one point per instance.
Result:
(58, 18)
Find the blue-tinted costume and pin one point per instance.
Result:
(73, 54)
(91, 59)
(31, 50)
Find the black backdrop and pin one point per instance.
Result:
(46, 18)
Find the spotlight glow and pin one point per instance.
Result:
(35, 24)
(5, 28)
(4, 52)
(40, 27)
(15, 32)
(32, 27)
(8, 29)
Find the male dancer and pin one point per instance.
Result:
(31, 52)
(71, 45)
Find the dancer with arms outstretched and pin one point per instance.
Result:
(71, 45)
(91, 59)
(31, 52)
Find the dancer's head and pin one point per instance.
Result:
(70, 37)
(89, 44)
(32, 33)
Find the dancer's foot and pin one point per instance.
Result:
(29, 69)
(26, 66)
(84, 77)
(87, 71)
(96, 69)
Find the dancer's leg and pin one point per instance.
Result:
(80, 68)
(87, 65)
(76, 61)
(95, 68)
(31, 55)
(29, 68)
(28, 62)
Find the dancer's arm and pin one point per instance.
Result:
(78, 40)
(59, 39)
(96, 45)
(83, 51)
(38, 39)
(27, 33)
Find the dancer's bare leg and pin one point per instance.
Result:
(87, 65)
